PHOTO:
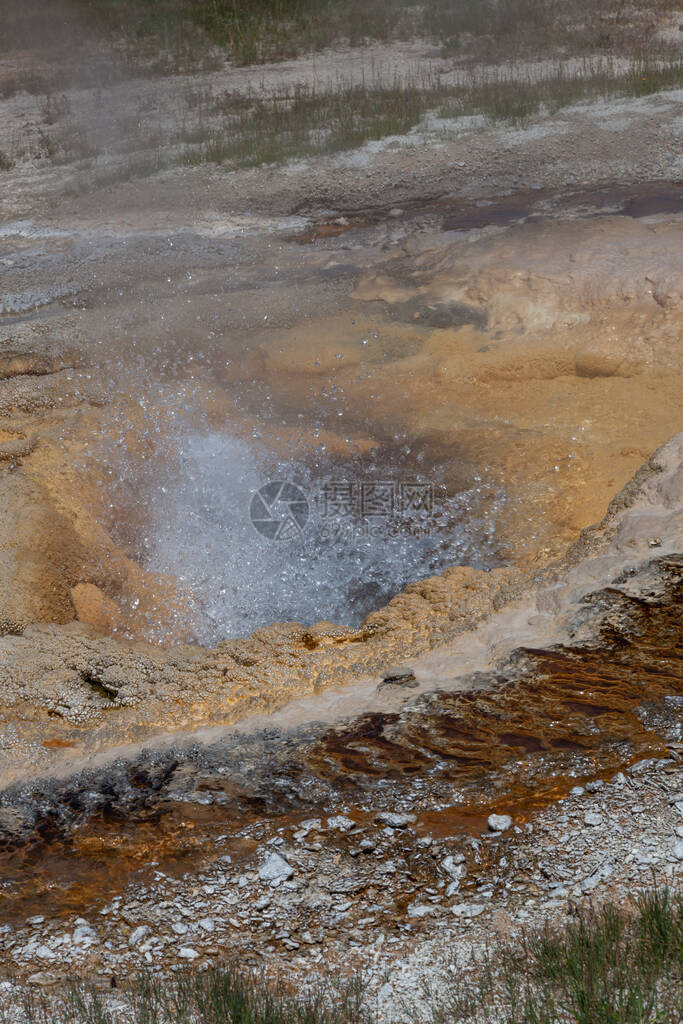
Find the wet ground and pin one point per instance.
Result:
(639, 200)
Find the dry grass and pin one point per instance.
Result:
(220, 995)
(239, 131)
(166, 36)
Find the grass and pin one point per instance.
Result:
(612, 965)
(219, 995)
(176, 35)
(497, 98)
(305, 122)
(608, 966)
(519, 27)
(247, 30)
(243, 130)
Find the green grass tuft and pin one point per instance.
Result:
(607, 966)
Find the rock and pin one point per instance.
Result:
(502, 924)
(341, 823)
(39, 919)
(642, 766)
(388, 868)
(84, 934)
(607, 357)
(275, 868)
(399, 677)
(592, 818)
(94, 608)
(346, 886)
(367, 845)
(187, 953)
(577, 791)
(678, 849)
(646, 858)
(454, 865)
(179, 928)
(679, 831)
(595, 786)
(43, 978)
(419, 910)
(599, 875)
(394, 819)
(467, 910)
(310, 825)
(499, 822)
(139, 935)
(453, 887)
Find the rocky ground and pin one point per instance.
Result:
(397, 902)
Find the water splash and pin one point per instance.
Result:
(334, 563)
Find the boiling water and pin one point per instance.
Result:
(254, 539)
